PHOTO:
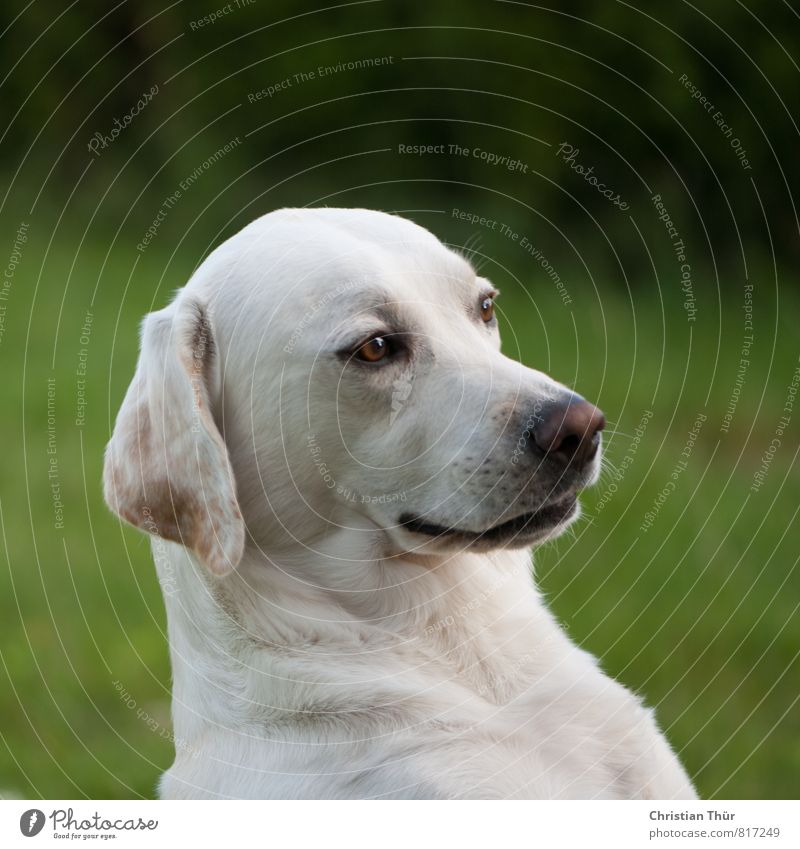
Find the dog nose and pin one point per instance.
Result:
(569, 429)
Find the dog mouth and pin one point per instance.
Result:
(522, 529)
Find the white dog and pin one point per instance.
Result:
(344, 476)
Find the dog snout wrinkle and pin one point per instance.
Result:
(570, 430)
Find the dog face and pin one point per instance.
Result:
(344, 375)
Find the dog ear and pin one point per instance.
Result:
(167, 469)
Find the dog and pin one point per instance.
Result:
(343, 478)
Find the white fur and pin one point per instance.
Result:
(320, 649)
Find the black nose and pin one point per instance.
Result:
(569, 429)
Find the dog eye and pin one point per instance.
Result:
(487, 308)
(374, 350)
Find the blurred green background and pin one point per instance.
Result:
(696, 609)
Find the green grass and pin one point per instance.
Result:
(698, 613)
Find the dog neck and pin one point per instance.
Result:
(474, 620)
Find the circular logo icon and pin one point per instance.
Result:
(31, 822)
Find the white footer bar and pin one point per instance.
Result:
(404, 825)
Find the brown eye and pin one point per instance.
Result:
(374, 350)
(487, 309)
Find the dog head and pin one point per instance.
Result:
(330, 372)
